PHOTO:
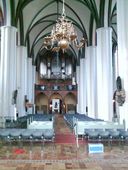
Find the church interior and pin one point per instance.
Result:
(63, 84)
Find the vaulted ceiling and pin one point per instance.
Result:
(34, 20)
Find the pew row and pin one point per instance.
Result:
(27, 135)
(40, 122)
(80, 126)
(96, 128)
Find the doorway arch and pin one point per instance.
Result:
(55, 103)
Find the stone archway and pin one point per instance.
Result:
(41, 101)
(70, 102)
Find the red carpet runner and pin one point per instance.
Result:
(64, 134)
(65, 138)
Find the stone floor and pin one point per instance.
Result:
(62, 156)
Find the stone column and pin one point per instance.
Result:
(29, 83)
(33, 87)
(21, 79)
(78, 88)
(82, 65)
(91, 80)
(8, 71)
(29, 80)
(122, 31)
(104, 74)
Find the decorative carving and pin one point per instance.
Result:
(14, 96)
(120, 93)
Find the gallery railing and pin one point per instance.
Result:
(56, 87)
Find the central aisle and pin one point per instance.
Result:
(63, 134)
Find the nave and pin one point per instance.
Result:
(61, 155)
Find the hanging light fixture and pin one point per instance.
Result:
(62, 35)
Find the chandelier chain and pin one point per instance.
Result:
(63, 10)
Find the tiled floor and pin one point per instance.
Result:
(62, 156)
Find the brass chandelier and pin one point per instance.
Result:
(62, 35)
